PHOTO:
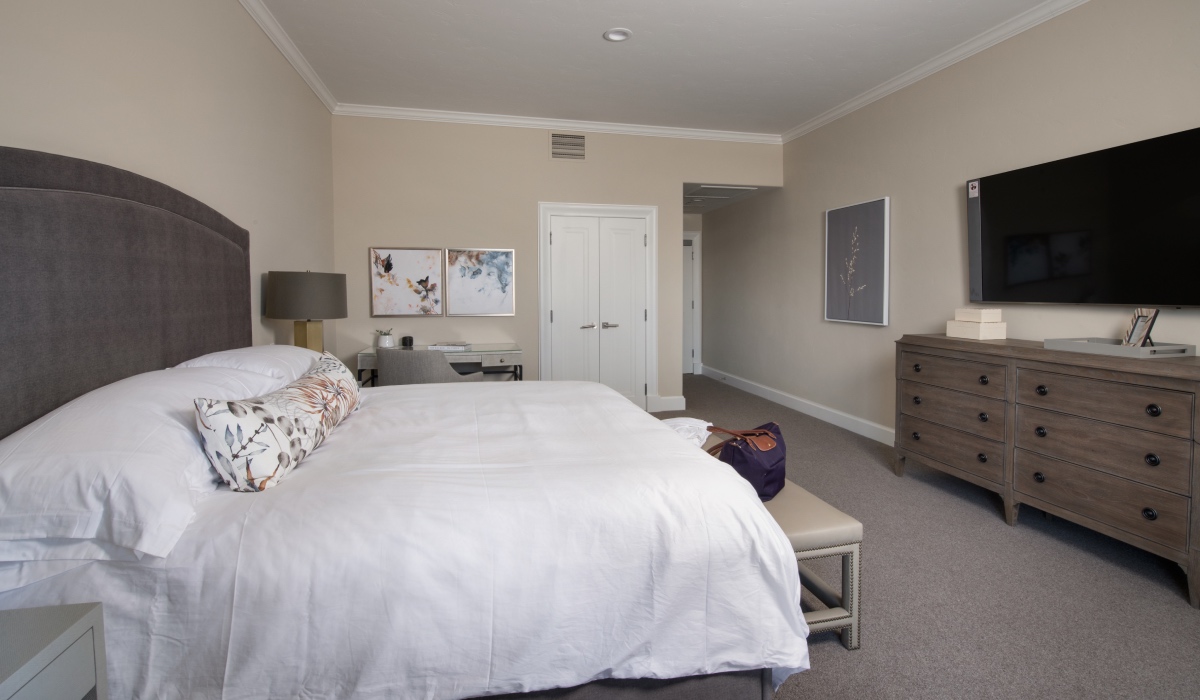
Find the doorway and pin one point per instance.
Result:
(598, 279)
(692, 302)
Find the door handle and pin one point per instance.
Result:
(611, 325)
(590, 325)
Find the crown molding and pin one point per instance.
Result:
(284, 43)
(1026, 20)
(433, 115)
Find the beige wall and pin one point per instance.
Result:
(192, 94)
(1106, 73)
(425, 184)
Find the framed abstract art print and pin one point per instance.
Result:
(406, 281)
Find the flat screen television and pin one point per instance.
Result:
(1118, 226)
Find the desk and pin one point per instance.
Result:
(491, 358)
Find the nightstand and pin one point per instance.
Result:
(53, 652)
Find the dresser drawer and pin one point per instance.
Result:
(968, 412)
(979, 456)
(1148, 408)
(501, 360)
(960, 375)
(1140, 455)
(1145, 511)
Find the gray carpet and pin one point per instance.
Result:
(957, 604)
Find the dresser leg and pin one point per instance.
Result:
(1193, 574)
(898, 465)
(1011, 510)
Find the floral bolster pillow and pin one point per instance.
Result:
(254, 443)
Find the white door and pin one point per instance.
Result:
(689, 308)
(623, 306)
(598, 301)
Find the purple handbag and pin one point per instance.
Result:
(758, 455)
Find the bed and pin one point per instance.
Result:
(444, 541)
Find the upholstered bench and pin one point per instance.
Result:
(818, 530)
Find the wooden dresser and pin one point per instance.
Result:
(1105, 442)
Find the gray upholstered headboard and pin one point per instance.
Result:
(105, 274)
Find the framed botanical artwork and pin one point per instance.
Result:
(406, 281)
(479, 282)
(1140, 326)
(856, 263)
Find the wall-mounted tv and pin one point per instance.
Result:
(1118, 226)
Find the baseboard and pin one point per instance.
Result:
(854, 424)
(655, 403)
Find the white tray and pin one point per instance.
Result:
(1111, 346)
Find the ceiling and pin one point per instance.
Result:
(750, 70)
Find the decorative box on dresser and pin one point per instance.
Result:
(1106, 442)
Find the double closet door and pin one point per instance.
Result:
(598, 302)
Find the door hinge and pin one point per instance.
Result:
(693, 354)
(645, 237)
(693, 255)
(551, 238)
(551, 315)
(645, 389)
(693, 304)
(645, 315)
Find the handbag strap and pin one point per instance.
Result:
(761, 440)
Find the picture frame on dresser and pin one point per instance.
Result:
(1140, 326)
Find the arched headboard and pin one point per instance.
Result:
(105, 274)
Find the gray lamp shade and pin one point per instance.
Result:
(306, 295)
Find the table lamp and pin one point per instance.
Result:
(307, 298)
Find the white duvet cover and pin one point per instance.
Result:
(450, 541)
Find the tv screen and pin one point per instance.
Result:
(1118, 226)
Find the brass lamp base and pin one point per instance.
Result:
(311, 335)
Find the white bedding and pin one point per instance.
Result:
(450, 541)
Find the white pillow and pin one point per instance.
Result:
(286, 362)
(254, 443)
(122, 464)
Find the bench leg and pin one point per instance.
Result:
(851, 571)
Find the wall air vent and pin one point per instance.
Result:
(567, 146)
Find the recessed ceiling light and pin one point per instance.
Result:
(617, 34)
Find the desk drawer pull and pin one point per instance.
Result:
(1039, 477)
(1149, 514)
(1039, 431)
(916, 435)
(917, 400)
(917, 367)
(983, 417)
(982, 457)
(983, 379)
(1153, 410)
(1153, 460)
(1042, 390)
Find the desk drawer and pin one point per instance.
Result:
(1148, 408)
(979, 456)
(968, 412)
(501, 359)
(960, 375)
(1135, 508)
(1140, 455)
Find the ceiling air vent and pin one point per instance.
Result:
(566, 146)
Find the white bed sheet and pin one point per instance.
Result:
(451, 541)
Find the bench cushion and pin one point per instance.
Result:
(809, 522)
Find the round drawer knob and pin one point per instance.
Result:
(1039, 477)
(1153, 410)
(917, 367)
(983, 417)
(1042, 390)
(1149, 514)
(916, 435)
(1153, 460)
(1039, 431)
(982, 457)
(983, 379)
(917, 400)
